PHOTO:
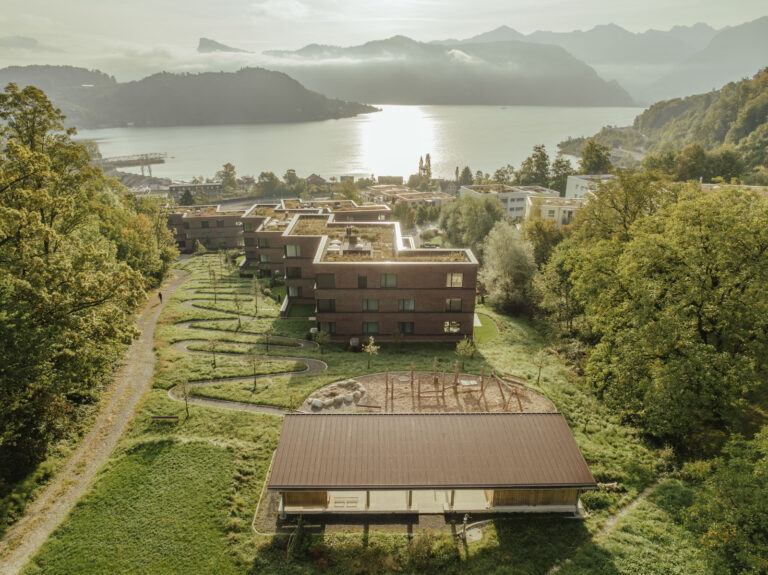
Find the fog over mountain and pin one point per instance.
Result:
(657, 64)
(500, 66)
(400, 70)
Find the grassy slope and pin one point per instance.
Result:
(244, 444)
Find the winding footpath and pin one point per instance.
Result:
(119, 403)
(313, 365)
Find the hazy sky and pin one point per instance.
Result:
(127, 35)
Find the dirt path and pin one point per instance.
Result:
(131, 382)
(612, 521)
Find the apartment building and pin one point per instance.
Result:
(513, 198)
(560, 210)
(213, 227)
(365, 280)
(580, 186)
(264, 225)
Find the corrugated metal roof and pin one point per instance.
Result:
(456, 450)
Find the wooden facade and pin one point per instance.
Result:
(514, 497)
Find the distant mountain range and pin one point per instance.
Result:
(400, 70)
(206, 46)
(656, 64)
(733, 54)
(92, 99)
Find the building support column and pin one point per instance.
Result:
(410, 498)
(367, 500)
(453, 497)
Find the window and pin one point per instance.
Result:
(362, 282)
(370, 305)
(453, 304)
(326, 305)
(247, 227)
(186, 225)
(326, 281)
(370, 328)
(263, 243)
(405, 327)
(219, 223)
(349, 219)
(294, 291)
(293, 251)
(551, 214)
(388, 280)
(382, 217)
(264, 258)
(406, 304)
(250, 242)
(328, 326)
(293, 273)
(204, 224)
(451, 327)
(454, 280)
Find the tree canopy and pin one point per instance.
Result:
(76, 253)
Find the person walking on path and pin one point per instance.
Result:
(160, 295)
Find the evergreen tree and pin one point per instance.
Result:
(595, 159)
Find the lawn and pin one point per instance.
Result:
(157, 499)
(486, 331)
(206, 472)
(301, 310)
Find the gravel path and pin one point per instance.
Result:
(313, 365)
(120, 400)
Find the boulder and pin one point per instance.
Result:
(349, 398)
(314, 402)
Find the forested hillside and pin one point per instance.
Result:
(733, 119)
(250, 96)
(77, 252)
(400, 70)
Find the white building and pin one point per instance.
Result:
(560, 210)
(581, 186)
(513, 198)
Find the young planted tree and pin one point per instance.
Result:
(269, 331)
(212, 346)
(256, 290)
(371, 349)
(212, 281)
(253, 354)
(185, 397)
(239, 309)
(465, 349)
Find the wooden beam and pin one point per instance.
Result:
(410, 498)
(453, 497)
(367, 500)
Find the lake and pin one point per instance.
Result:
(383, 143)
